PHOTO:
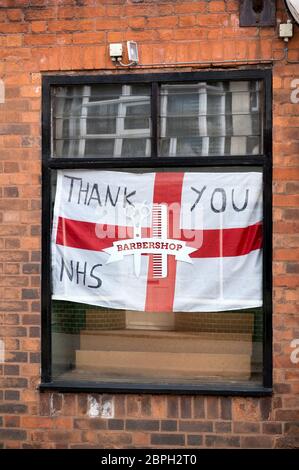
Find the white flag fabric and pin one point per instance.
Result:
(158, 242)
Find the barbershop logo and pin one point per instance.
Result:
(158, 245)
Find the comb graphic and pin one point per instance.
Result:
(159, 230)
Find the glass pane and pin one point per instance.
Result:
(229, 110)
(100, 120)
(157, 276)
(100, 126)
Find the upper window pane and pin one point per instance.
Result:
(195, 119)
(211, 118)
(102, 121)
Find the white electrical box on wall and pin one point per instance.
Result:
(115, 50)
(286, 30)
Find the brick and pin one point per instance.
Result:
(13, 256)
(13, 434)
(290, 429)
(286, 174)
(169, 425)
(12, 421)
(226, 408)
(40, 422)
(216, 6)
(88, 38)
(222, 441)
(286, 254)
(31, 268)
(38, 26)
(14, 331)
(35, 358)
(292, 188)
(14, 281)
(11, 191)
(7, 28)
(195, 426)
(287, 415)
(185, 407)
(188, 7)
(40, 39)
(287, 443)
(17, 357)
(120, 406)
(34, 332)
(11, 369)
(245, 409)
(15, 14)
(199, 407)
(194, 440)
(256, 442)
(158, 406)
(142, 425)
(11, 395)
(35, 256)
(30, 294)
(187, 21)
(212, 407)
(265, 408)
(12, 243)
(137, 23)
(30, 319)
(138, 406)
(44, 13)
(223, 427)
(85, 12)
(110, 24)
(246, 427)
(28, 344)
(116, 424)
(162, 22)
(120, 440)
(211, 20)
(35, 307)
(95, 424)
(11, 268)
(272, 428)
(168, 439)
(12, 408)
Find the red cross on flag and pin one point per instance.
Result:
(158, 242)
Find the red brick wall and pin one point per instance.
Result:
(40, 36)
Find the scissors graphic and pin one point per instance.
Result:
(137, 214)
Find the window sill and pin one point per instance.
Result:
(174, 389)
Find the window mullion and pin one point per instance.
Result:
(155, 118)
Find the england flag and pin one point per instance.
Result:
(158, 242)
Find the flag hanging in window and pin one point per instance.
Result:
(158, 242)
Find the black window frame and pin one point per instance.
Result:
(50, 163)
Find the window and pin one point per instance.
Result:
(157, 232)
(100, 121)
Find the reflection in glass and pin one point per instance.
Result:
(211, 119)
(102, 121)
